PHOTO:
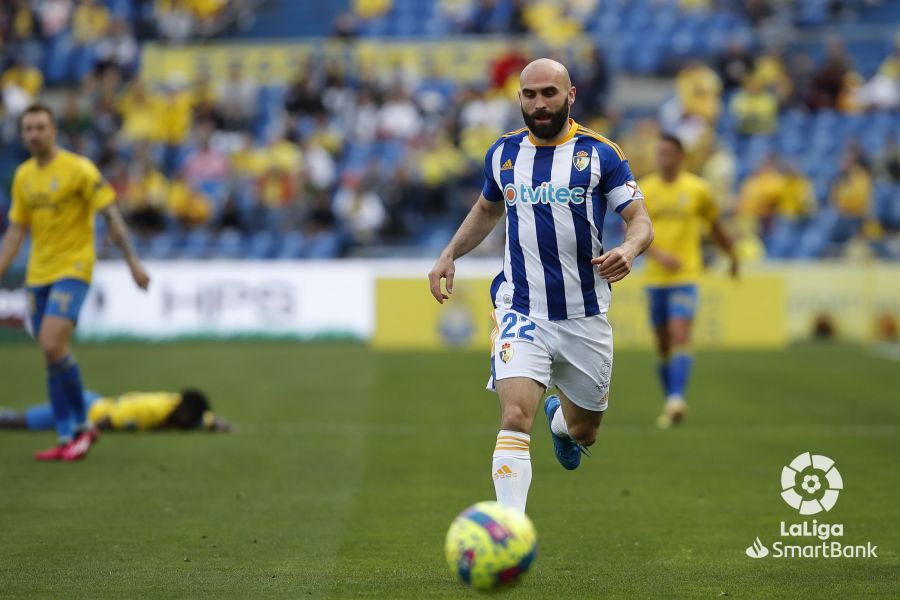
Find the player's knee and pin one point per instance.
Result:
(54, 349)
(583, 433)
(515, 418)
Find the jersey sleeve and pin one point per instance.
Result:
(618, 183)
(490, 189)
(19, 212)
(95, 189)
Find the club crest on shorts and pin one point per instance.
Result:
(581, 160)
(506, 352)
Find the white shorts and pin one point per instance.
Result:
(573, 355)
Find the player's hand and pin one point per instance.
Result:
(140, 276)
(668, 261)
(615, 264)
(443, 269)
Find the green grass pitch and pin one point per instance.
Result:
(349, 465)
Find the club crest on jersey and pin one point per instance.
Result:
(506, 352)
(581, 160)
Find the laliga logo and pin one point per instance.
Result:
(546, 193)
(811, 483)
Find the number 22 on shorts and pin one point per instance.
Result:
(510, 322)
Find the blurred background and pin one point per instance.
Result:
(250, 140)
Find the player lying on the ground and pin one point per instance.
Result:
(134, 411)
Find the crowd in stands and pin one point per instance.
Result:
(802, 151)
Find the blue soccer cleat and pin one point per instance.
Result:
(568, 451)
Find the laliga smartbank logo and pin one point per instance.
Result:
(811, 484)
(546, 193)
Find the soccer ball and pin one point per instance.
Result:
(490, 546)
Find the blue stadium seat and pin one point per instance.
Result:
(229, 244)
(292, 245)
(197, 244)
(262, 245)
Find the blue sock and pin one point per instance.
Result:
(679, 372)
(662, 371)
(62, 415)
(70, 376)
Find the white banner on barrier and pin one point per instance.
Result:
(212, 298)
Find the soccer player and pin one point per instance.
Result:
(555, 179)
(134, 411)
(55, 196)
(682, 208)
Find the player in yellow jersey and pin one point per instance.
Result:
(55, 196)
(682, 209)
(134, 411)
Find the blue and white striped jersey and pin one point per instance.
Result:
(556, 199)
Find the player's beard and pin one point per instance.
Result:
(550, 129)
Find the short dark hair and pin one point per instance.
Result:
(37, 108)
(672, 139)
(189, 412)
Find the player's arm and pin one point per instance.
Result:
(119, 232)
(480, 221)
(616, 264)
(12, 242)
(723, 240)
(669, 261)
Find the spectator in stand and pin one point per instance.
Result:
(639, 145)
(302, 98)
(700, 91)
(760, 194)
(888, 163)
(593, 83)
(720, 170)
(90, 22)
(829, 81)
(882, 92)
(145, 200)
(399, 117)
(205, 165)
(755, 109)
(772, 74)
(236, 99)
(139, 111)
(23, 29)
(54, 17)
(24, 76)
(504, 72)
(174, 124)
(371, 9)
(735, 65)
(793, 210)
(73, 121)
(849, 207)
(801, 71)
(188, 206)
(360, 209)
(851, 196)
(319, 166)
(118, 50)
(758, 11)
(439, 163)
